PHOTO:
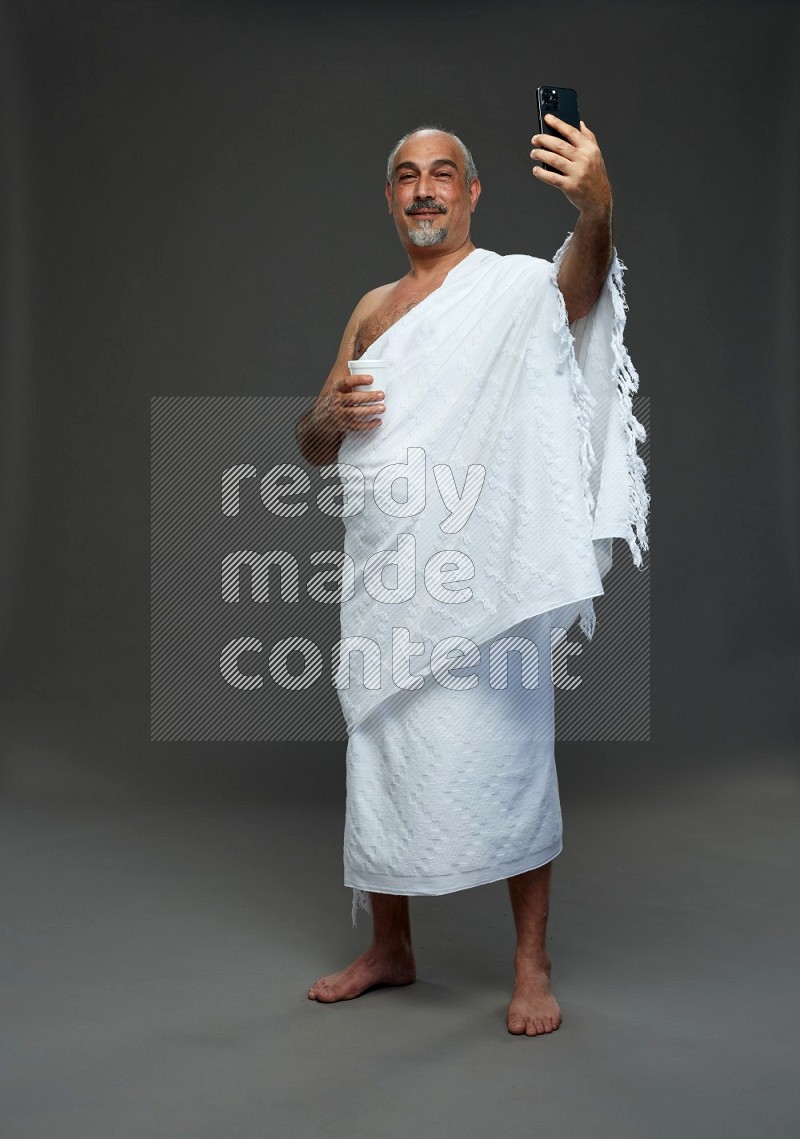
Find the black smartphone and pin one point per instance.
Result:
(560, 101)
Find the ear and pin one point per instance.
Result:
(389, 195)
(474, 192)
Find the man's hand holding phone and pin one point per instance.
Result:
(578, 169)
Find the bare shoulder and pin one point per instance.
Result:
(366, 307)
(374, 299)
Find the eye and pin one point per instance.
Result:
(444, 174)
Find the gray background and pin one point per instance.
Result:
(192, 204)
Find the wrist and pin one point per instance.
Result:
(598, 215)
(321, 420)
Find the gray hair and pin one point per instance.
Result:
(470, 170)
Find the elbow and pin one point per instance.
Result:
(577, 311)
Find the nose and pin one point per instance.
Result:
(425, 187)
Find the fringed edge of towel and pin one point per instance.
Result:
(360, 898)
(627, 381)
(584, 400)
(588, 618)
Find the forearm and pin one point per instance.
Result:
(317, 439)
(586, 262)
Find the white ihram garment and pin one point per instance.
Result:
(451, 778)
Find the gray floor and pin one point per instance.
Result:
(158, 956)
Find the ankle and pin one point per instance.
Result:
(532, 959)
(392, 945)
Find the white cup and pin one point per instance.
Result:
(371, 366)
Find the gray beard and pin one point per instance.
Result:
(424, 233)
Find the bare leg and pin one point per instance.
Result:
(533, 1009)
(388, 960)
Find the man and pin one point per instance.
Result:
(432, 191)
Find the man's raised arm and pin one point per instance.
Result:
(338, 408)
(582, 178)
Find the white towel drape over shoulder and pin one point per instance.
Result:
(487, 373)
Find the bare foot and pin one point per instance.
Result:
(533, 1009)
(371, 968)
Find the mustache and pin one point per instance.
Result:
(426, 204)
